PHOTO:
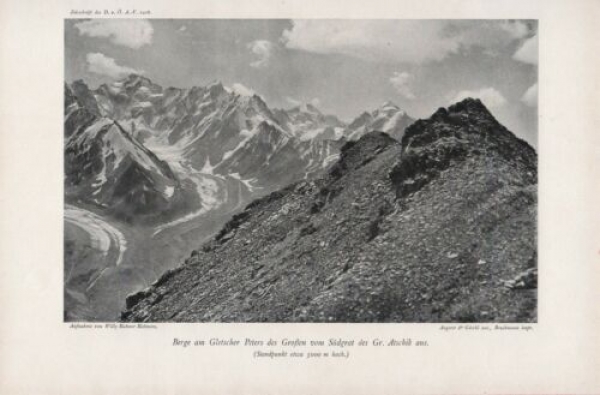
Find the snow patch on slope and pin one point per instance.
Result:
(248, 182)
(246, 136)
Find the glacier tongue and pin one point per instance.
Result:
(205, 134)
(101, 233)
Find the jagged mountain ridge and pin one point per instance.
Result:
(202, 140)
(217, 130)
(106, 166)
(307, 123)
(439, 228)
(388, 118)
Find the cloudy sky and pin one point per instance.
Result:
(343, 66)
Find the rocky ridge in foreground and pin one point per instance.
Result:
(438, 228)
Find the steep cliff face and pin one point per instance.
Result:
(106, 166)
(438, 228)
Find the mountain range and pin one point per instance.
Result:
(106, 165)
(134, 148)
(292, 214)
(439, 226)
(151, 171)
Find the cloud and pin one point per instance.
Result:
(400, 81)
(489, 96)
(517, 29)
(132, 33)
(263, 49)
(182, 28)
(101, 64)
(241, 90)
(528, 53)
(530, 97)
(316, 102)
(400, 41)
(490, 35)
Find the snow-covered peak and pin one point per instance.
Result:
(241, 90)
(306, 122)
(361, 120)
(116, 143)
(215, 87)
(387, 112)
(214, 84)
(389, 109)
(388, 118)
(304, 108)
(389, 105)
(133, 79)
(309, 108)
(133, 84)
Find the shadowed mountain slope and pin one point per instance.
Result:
(438, 228)
(106, 166)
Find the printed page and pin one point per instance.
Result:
(284, 197)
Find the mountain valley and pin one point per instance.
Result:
(149, 171)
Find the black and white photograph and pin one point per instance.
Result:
(309, 170)
(283, 197)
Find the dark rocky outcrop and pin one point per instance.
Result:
(466, 131)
